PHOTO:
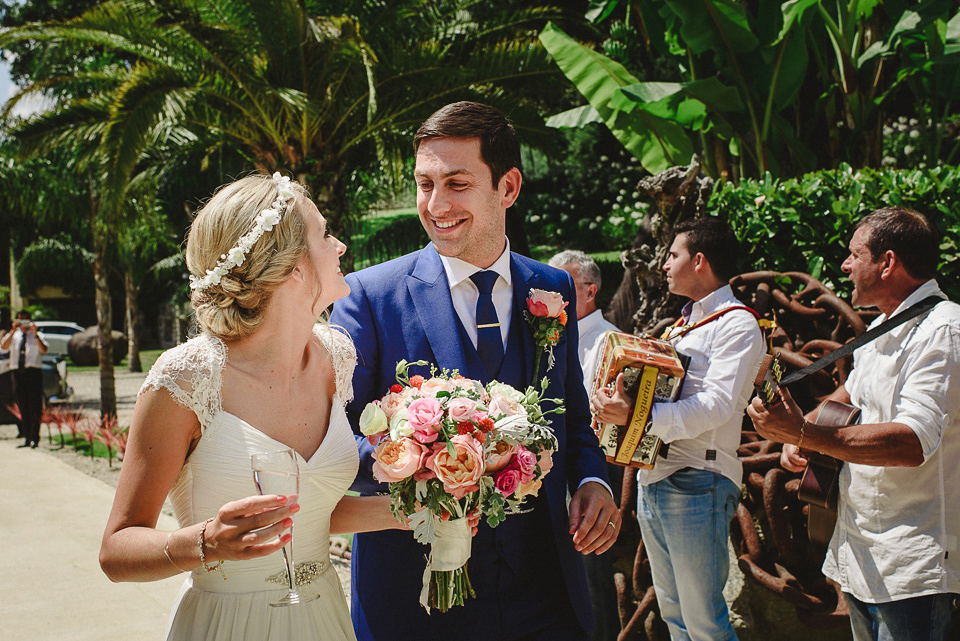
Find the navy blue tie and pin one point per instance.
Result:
(489, 339)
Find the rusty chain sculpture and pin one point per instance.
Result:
(769, 533)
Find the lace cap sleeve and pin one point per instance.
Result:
(344, 354)
(192, 373)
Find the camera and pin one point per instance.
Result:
(24, 323)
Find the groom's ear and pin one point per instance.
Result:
(509, 189)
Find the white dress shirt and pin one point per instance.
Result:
(33, 357)
(464, 294)
(592, 327)
(724, 356)
(897, 528)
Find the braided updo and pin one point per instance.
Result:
(234, 308)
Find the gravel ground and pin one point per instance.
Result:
(86, 396)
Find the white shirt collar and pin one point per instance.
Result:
(708, 304)
(593, 318)
(458, 270)
(929, 288)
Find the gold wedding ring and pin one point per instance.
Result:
(612, 524)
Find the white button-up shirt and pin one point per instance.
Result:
(724, 356)
(897, 529)
(33, 356)
(591, 327)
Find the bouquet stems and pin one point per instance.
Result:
(450, 588)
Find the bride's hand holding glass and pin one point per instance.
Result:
(249, 528)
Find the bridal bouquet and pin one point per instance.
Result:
(448, 446)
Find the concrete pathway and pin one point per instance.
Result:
(51, 588)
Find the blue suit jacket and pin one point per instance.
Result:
(526, 570)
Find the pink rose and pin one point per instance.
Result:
(526, 462)
(545, 304)
(392, 403)
(500, 455)
(470, 385)
(459, 473)
(431, 386)
(424, 415)
(545, 460)
(507, 481)
(462, 409)
(396, 460)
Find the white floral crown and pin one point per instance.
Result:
(265, 221)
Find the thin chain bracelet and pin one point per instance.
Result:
(166, 550)
(201, 542)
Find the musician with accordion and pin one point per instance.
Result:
(690, 490)
(894, 549)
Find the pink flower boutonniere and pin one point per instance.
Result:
(547, 316)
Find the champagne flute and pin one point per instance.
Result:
(278, 473)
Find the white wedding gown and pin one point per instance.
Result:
(210, 607)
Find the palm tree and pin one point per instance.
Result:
(311, 87)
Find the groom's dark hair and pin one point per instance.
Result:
(499, 145)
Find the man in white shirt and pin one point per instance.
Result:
(894, 550)
(592, 326)
(687, 500)
(26, 349)
(590, 321)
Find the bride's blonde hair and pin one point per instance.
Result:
(234, 307)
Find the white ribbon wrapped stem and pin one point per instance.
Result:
(449, 551)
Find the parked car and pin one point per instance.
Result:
(55, 387)
(57, 334)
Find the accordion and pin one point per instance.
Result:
(653, 371)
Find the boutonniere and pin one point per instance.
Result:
(546, 315)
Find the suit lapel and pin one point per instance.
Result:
(430, 293)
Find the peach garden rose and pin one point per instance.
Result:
(459, 473)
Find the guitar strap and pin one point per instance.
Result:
(913, 311)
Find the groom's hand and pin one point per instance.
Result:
(594, 519)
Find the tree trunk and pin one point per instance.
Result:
(108, 391)
(642, 303)
(133, 319)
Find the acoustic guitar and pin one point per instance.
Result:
(819, 485)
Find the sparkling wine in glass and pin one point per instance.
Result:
(278, 473)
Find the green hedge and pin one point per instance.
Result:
(804, 224)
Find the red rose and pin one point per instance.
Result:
(396, 388)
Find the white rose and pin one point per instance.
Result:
(237, 255)
(373, 420)
(508, 391)
(399, 427)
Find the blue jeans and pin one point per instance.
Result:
(685, 523)
(922, 618)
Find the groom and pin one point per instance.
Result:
(527, 572)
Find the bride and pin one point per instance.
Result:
(263, 375)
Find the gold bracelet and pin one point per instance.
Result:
(166, 550)
(201, 542)
(802, 426)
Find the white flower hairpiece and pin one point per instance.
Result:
(265, 221)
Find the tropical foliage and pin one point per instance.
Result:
(753, 88)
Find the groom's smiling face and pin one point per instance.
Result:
(464, 215)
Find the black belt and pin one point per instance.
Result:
(710, 455)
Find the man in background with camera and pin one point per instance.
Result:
(27, 348)
(685, 503)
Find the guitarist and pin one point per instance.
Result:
(686, 502)
(894, 551)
